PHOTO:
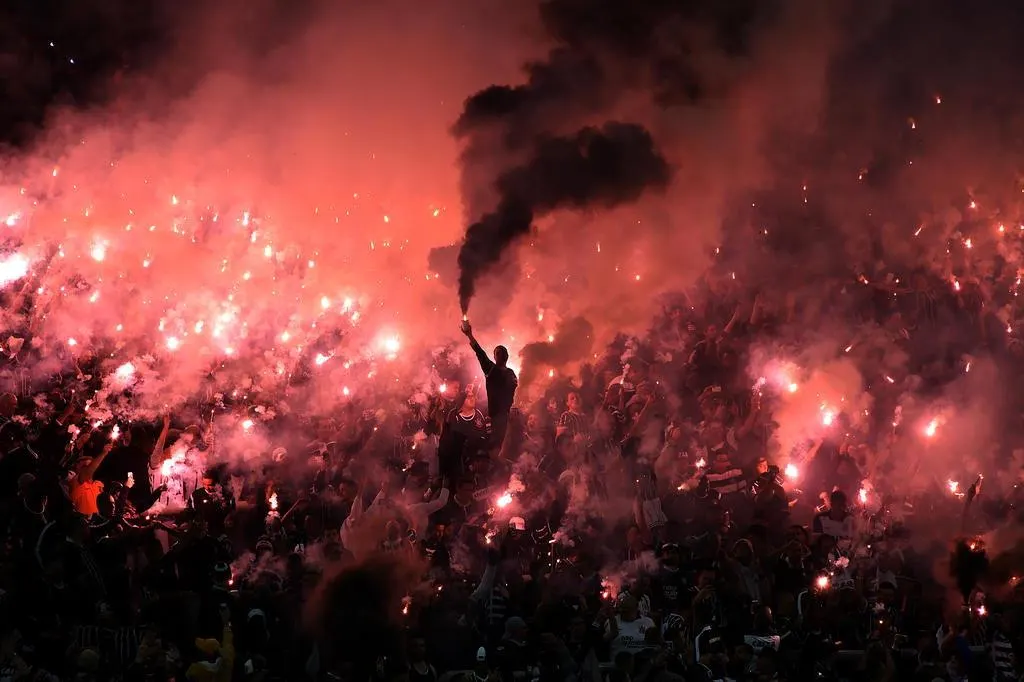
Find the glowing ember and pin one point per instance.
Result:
(504, 501)
(13, 268)
(392, 345)
(822, 582)
(98, 251)
(321, 359)
(443, 388)
(931, 428)
(792, 387)
(862, 495)
(982, 611)
(173, 343)
(792, 473)
(115, 432)
(273, 501)
(166, 467)
(247, 424)
(827, 416)
(700, 463)
(125, 372)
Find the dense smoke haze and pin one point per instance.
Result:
(600, 168)
(266, 202)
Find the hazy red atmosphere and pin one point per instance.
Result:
(268, 219)
(265, 199)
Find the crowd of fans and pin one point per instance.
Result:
(632, 524)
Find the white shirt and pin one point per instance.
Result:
(181, 473)
(632, 635)
(837, 529)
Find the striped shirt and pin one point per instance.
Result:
(93, 569)
(727, 482)
(573, 424)
(497, 607)
(1002, 659)
(647, 508)
(117, 646)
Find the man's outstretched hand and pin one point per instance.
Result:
(467, 329)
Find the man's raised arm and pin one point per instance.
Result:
(486, 364)
(156, 458)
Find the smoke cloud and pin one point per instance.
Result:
(252, 214)
(572, 342)
(595, 167)
(357, 612)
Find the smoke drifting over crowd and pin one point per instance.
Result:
(251, 229)
(596, 167)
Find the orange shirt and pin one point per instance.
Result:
(84, 494)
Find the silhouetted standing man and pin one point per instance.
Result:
(501, 385)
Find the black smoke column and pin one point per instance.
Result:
(573, 341)
(357, 614)
(967, 566)
(595, 168)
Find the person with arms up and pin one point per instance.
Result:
(501, 385)
(463, 436)
(83, 487)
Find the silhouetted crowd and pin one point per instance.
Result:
(636, 523)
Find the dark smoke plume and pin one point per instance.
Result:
(967, 566)
(654, 54)
(661, 43)
(357, 613)
(573, 341)
(595, 168)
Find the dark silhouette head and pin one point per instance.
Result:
(500, 356)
